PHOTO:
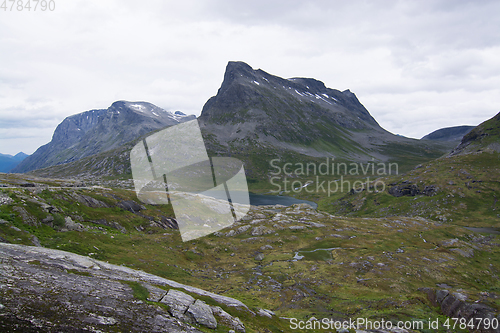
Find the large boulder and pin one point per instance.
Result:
(178, 302)
(202, 314)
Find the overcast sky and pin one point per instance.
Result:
(415, 65)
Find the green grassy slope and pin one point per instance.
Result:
(464, 191)
(484, 137)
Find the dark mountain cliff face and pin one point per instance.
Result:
(297, 110)
(253, 108)
(97, 131)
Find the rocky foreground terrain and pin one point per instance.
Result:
(45, 290)
(296, 262)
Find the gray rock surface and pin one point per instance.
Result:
(266, 313)
(454, 305)
(178, 302)
(259, 257)
(260, 230)
(35, 241)
(130, 205)
(296, 227)
(202, 314)
(46, 290)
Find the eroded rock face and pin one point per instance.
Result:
(47, 290)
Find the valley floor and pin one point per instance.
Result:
(296, 261)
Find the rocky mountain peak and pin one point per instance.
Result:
(237, 68)
(309, 83)
(244, 88)
(143, 109)
(8, 162)
(253, 104)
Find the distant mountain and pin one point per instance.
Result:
(96, 131)
(484, 137)
(8, 162)
(455, 133)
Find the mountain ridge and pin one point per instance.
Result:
(255, 116)
(453, 133)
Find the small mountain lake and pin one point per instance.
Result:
(264, 199)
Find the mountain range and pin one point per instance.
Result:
(448, 133)
(254, 116)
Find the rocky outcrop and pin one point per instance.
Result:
(70, 225)
(483, 137)
(226, 319)
(412, 190)
(88, 200)
(178, 303)
(47, 290)
(130, 205)
(454, 305)
(202, 314)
